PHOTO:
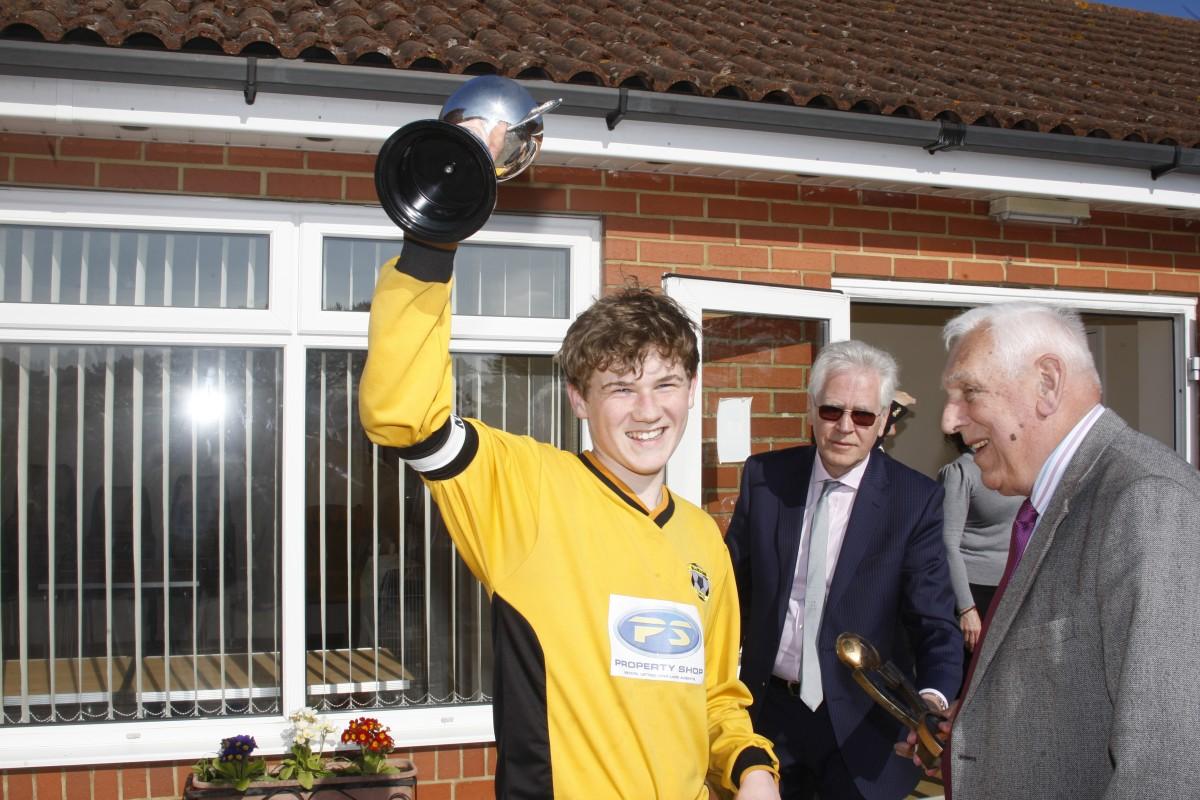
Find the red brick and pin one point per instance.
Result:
(1055, 254)
(185, 153)
(79, 783)
(671, 252)
(734, 256)
(1105, 257)
(525, 198)
(1040, 276)
(798, 214)
(1149, 258)
(977, 271)
(776, 427)
(920, 223)
(570, 175)
(1084, 234)
(1085, 278)
(653, 181)
(1148, 222)
(436, 791)
(491, 759)
(62, 173)
(703, 230)
(853, 264)
(1130, 281)
(1115, 219)
(182, 772)
(426, 763)
(795, 402)
(138, 176)
(944, 246)
(831, 239)
(813, 280)
(888, 199)
(162, 782)
(699, 185)
(861, 218)
(895, 243)
(975, 227)
(1017, 232)
(620, 249)
(768, 234)
(341, 162)
(1119, 237)
(617, 225)
(724, 376)
(735, 352)
(363, 190)
(1176, 282)
(1175, 242)
(799, 353)
(133, 783)
(71, 147)
(921, 268)
(222, 181)
(738, 209)
(49, 785)
(475, 790)
(769, 190)
(5, 162)
(304, 185)
(1186, 261)
(31, 144)
(773, 277)
(105, 784)
(950, 205)
(772, 377)
(1010, 249)
(264, 157)
(671, 205)
(602, 200)
(800, 260)
(758, 400)
(834, 195)
(635, 274)
(1183, 225)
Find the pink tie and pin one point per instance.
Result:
(1022, 529)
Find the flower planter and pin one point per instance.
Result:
(400, 785)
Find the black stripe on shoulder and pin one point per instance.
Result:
(461, 461)
(665, 515)
(429, 446)
(426, 262)
(519, 711)
(607, 482)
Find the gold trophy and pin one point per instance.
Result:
(890, 687)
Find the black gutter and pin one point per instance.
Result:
(253, 76)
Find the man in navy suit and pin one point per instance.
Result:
(879, 569)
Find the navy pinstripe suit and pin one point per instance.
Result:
(891, 585)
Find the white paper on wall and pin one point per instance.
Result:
(733, 429)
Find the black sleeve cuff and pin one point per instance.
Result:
(426, 262)
(750, 757)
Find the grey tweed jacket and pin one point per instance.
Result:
(1088, 682)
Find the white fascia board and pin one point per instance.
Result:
(182, 114)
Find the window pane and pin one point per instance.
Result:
(96, 266)
(393, 617)
(139, 532)
(490, 280)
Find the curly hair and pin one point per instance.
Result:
(619, 330)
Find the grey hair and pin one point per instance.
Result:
(853, 356)
(1021, 331)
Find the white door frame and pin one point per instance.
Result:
(1180, 310)
(698, 295)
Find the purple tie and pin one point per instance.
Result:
(1022, 529)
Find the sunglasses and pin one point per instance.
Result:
(863, 419)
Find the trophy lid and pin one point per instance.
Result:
(503, 116)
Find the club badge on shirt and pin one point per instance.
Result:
(700, 582)
(655, 640)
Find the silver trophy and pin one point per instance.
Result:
(437, 179)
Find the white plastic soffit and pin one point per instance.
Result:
(211, 116)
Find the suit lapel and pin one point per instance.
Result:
(793, 495)
(863, 527)
(1021, 582)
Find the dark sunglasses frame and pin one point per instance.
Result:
(862, 419)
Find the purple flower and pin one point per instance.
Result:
(237, 748)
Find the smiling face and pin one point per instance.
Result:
(995, 414)
(842, 444)
(636, 420)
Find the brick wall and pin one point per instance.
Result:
(766, 232)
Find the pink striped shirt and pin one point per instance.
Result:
(1052, 471)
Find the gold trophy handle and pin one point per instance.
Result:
(889, 688)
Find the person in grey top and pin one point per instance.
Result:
(978, 525)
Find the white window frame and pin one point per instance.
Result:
(698, 295)
(1180, 310)
(292, 323)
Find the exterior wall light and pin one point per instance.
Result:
(1039, 211)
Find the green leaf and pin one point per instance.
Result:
(305, 779)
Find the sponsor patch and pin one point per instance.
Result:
(655, 640)
(700, 582)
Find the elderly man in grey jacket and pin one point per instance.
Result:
(1086, 681)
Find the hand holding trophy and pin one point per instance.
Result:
(437, 178)
(890, 687)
